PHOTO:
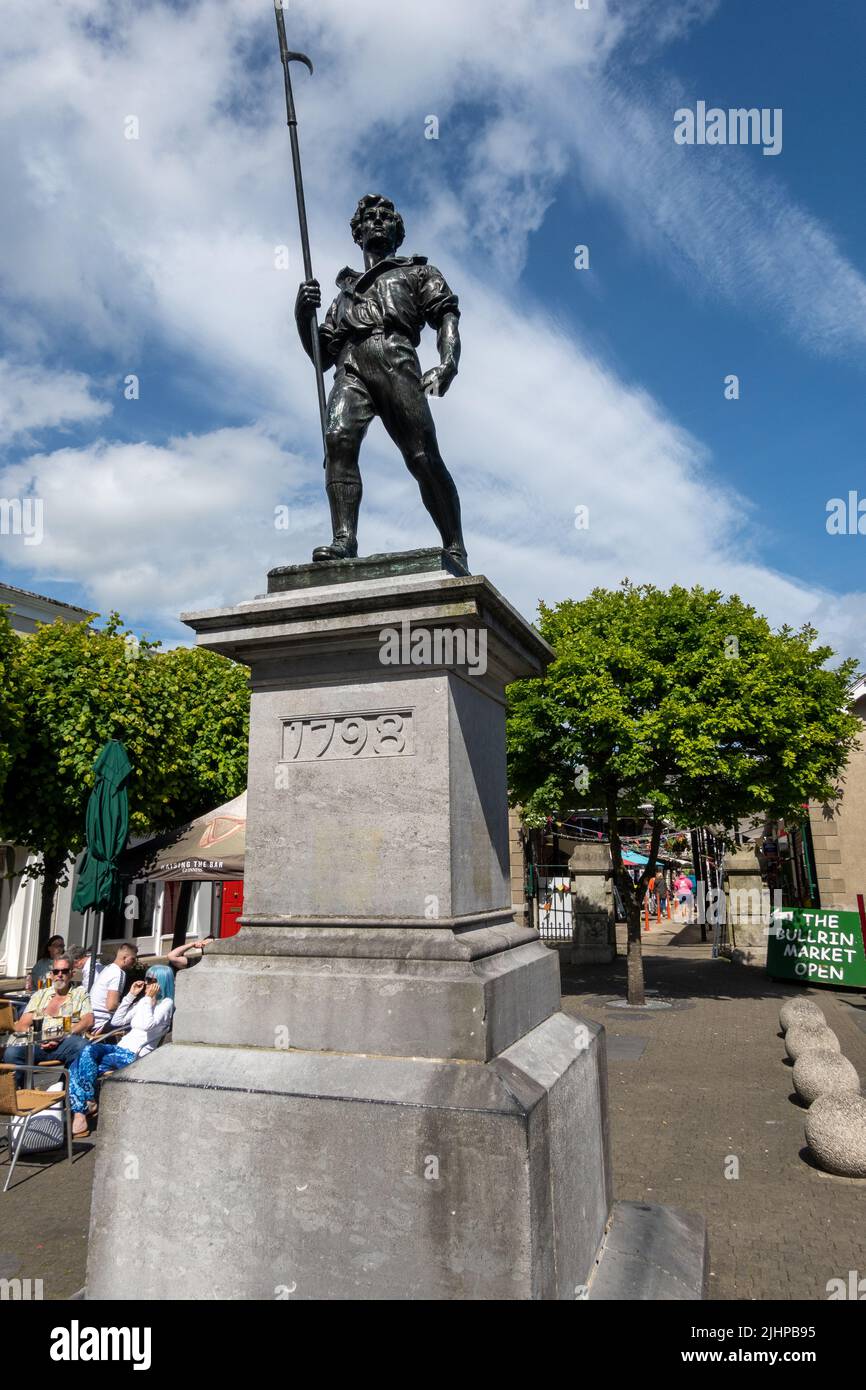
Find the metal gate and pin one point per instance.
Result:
(548, 891)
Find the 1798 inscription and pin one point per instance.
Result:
(322, 738)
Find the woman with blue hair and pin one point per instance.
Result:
(147, 1012)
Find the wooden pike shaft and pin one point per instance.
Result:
(287, 57)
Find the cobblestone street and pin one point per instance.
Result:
(713, 1081)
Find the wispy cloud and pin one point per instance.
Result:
(167, 242)
(654, 26)
(720, 216)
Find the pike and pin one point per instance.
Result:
(287, 57)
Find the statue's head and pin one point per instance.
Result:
(377, 224)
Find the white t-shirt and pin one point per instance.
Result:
(112, 977)
(146, 1021)
(85, 972)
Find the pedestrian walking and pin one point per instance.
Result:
(684, 896)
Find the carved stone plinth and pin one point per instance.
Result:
(372, 1087)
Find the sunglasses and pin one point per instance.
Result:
(61, 972)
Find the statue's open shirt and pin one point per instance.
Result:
(396, 297)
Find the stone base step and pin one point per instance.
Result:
(651, 1253)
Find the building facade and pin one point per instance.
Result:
(838, 834)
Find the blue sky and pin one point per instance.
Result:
(601, 387)
(796, 435)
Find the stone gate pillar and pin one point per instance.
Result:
(746, 904)
(593, 916)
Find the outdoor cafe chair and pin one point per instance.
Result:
(24, 1104)
(113, 1035)
(7, 1018)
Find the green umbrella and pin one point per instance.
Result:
(107, 828)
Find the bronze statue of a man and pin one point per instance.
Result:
(370, 334)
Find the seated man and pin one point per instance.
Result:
(39, 973)
(109, 984)
(60, 1000)
(81, 961)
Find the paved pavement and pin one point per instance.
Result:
(691, 1088)
(711, 1085)
(44, 1218)
(45, 1214)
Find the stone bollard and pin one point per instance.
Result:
(801, 1036)
(836, 1134)
(799, 1009)
(819, 1071)
(593, 919)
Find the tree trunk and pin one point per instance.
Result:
(634, 964)
(632, 896)
(52, 867)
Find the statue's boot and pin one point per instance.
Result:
(458, 553)
(345, 503)
(440, 497)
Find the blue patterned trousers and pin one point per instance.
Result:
(91, 1063)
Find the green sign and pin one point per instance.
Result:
(817, 947)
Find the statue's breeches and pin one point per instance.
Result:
(379, 376)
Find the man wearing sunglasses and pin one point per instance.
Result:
(61, 999)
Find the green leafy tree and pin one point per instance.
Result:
(683, 701)
(11, 703)
(209, 700)
(182, 715)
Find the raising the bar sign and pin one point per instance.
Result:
(817, 947)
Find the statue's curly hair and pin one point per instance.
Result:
(370, 200)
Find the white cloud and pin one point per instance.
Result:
(34, 398)
(657, 25)
(155, 530)
(169, 240)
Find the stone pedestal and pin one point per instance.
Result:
(371, 1092)
(592, 910)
